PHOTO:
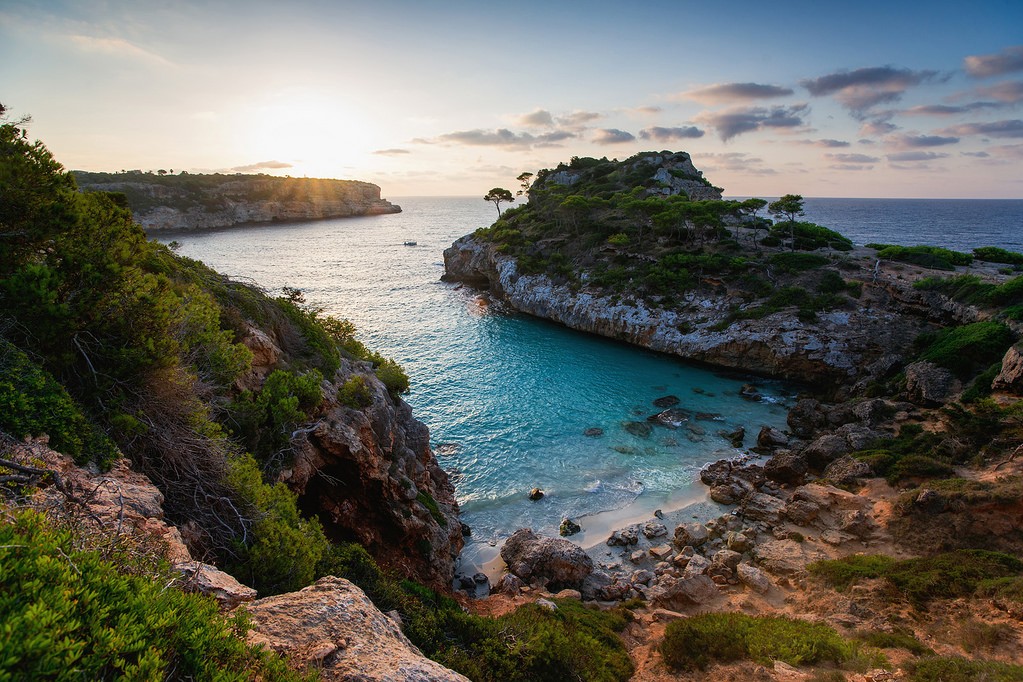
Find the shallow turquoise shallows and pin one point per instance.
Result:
(507, 397)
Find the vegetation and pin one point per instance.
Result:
(955, 669)
(499, 196)
(965, 350)
(695, 642)
(533, 643)
(933, 257)
(68, 613)
(947, 575)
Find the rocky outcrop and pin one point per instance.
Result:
(203, 202)
(370, 476)
(840, 346)
(1010, 378)
(333, 628)
(557, 562)
(928, 384)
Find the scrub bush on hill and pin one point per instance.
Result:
(933, 257)
(65, 613)
(965, 350)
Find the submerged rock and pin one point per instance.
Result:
(641, 429)
(593, 432)
(568, 527)
(667, 401)
(535, 494)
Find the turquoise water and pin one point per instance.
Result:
(507, 397)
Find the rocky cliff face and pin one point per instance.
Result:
(369, 474)
(841, 347)
(202, 202)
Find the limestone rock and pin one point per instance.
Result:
(928, 384)
(770, 437)
(568, 527)
(698, 565)
(674, 593)
(786, 467)
(1010, 378)
(653, 530)
(694, 534)
(806, 417)
(333, 627)
(826, 449)
(846, 470)
(753, 577)
(784, 557)
(624, 537)
(726, 558)
(764, 507)
(532, 557)
(211, 581)
(738, 542)
(802, 512)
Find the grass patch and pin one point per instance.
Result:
(977, 635)
(946, 575)
(966, 349)
(900, 638)
(956, 669)
(694, 643)
(933, 257)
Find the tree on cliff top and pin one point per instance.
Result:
(499, 195)
(790, 206)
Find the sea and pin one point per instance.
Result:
(508, 398)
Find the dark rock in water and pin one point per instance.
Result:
(750, 392)
(466, 582)
(710, 417)
(771, 438)
(625, 450)
(699, 391)
(535, 494)
(786, 467)
(480, 578)
(568, 527)
(667, 401)
(445, 449)
(466, 531)
(697, 429)
(734, 437)
(641, 429)
(673, 417)
(593, 432)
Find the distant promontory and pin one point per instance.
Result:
(187, 201)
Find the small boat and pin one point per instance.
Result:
(408, 242)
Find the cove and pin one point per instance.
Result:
(507, 397)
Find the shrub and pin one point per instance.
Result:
(965, 349)
(722, 637)
(900, 638)
(933, 257)
(993, 254)
(841, 573)
(33, 403)
(618, 239)
(976, 635)
(354, 393)
(797, 262)
(955, 669)
(66, 613)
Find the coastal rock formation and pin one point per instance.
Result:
(333, 627)
(532, 557)
(839, 347)
(203, 202)
(370, 476)
(1010, 378)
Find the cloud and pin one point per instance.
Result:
(736, 162)
(916, 156)
(262, 165)
(738, 120)
(1007, 92)
(827, 144)
(1008, 60)
(117, 47)
(648, 109)
(918, 141)
(502, 137)
(733, 93)
(877, 127)
(613, 136)
(1007, 128)
(540, 118)
(849, 167)
(862, 89)
(979, 155)
(578, 119)
(668, 134)
(853, 158)
(391, 152)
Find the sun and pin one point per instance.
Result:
(317, 133)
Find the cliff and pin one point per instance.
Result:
(202, 202)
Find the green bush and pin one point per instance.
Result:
(354, 393)
(947, 575)
(797, 262)
(955, 669)
(900, 638)
(694, 643)
(993, 254)
(265, 420)
(933, 257)
(67, 614)
(965, 349)
(33, 403)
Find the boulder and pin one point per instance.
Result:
(211, 581)
(802, 512)
(661, 552)
(694, 534)
(806, 417)
(770, 437)
(872, 412)
(727, 494)
(930, 385)
(698, 565)
(641, 577)
(1011, 377)
(509, 584)
(667, 401)
(674, 593)
(535, 494)
(653, 530)
(641, 429)
(846, 470)
(753, 578)
(784, 557)
(738, 542)
(624, 537)
(672, 418)
(568, 527)
(726, 558)
(593, 432)
(735, 437)
(825, 449)
(532, 557)
(859, 524)
(786, 467)
(333, 627)
(596, 584)
(764, 507)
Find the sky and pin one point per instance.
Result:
(819, 98)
